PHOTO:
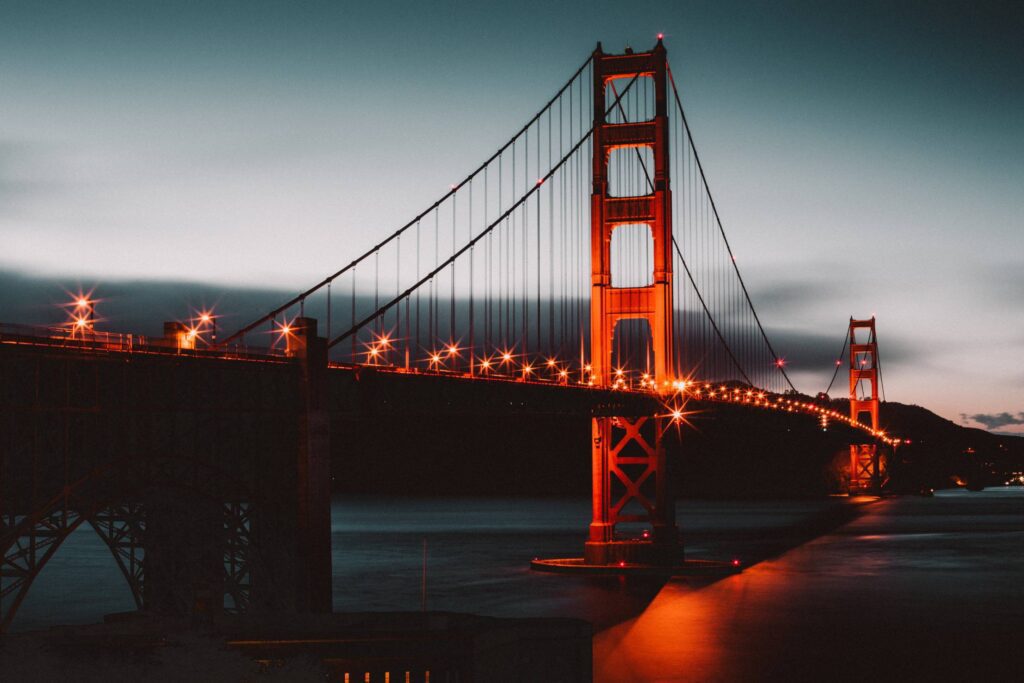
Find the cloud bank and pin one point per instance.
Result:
(994, 420)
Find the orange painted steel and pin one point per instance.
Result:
(867, 469)
(653, 303)
(628, 453)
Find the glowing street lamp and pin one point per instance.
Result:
(372, 354)
(83, 314)
(209, 321)
(284, 332)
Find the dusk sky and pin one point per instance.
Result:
(866, 158)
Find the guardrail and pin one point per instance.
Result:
(72, 337)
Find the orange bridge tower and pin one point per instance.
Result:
(629, 465)
(867, 466)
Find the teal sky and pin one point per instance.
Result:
(865, 157)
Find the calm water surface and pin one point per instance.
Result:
(915, 589)
(478, 553)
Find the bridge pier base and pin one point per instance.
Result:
(633, 531)
(630, 488)
(867, 470)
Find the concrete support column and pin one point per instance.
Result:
(313, 465)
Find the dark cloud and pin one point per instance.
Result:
(131, 306)
(141, 307)
(793, 295)
(994, 420)
(811, 350)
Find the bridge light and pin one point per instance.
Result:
(563, 373)
(80, 322)
(82, 302)
(588, 367)
(485, 364)
(661, 36)
(780, 362)
(551, 362)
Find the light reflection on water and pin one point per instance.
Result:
(916, 589)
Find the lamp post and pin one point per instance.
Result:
(210, 320)
(84, 315)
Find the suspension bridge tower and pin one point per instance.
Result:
(867, 466)
(629, 464)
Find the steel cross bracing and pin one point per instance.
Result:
(110, 500)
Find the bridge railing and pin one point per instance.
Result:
(125, 342)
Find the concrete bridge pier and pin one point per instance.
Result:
(630, 486)
(313, 470)
(292, 517)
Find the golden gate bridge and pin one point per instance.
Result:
(583, 268)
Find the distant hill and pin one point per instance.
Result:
(946, 449)
(727, 452)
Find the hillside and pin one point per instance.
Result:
(727, 452)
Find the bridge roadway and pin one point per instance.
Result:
(208, 474)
